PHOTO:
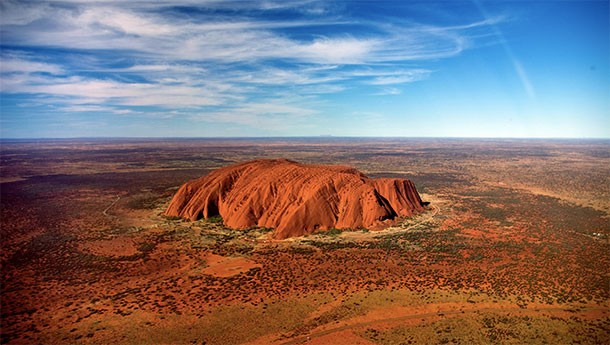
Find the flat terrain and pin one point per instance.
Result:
(513, 248)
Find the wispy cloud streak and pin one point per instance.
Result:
(519, 69)
(221, 66)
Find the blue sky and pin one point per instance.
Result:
(79, 68)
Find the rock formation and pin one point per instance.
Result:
(295, 199)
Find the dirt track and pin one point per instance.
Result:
(109, 207)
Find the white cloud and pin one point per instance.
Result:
(85, 108)
(124, 22)
(274, 109)
(166, 68)
(388, 91)
(79, 90)
(335, 50)
(297, 75)
(184, 63)
(322, 89)
(274, 5)
(21, 13)
(94, 108)
(401, 77)
(19, 65)
(108, 26)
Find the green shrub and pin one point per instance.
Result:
(214, 219)
(331, 232)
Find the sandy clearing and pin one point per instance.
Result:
(222, 266)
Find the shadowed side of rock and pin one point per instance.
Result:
(295, 199)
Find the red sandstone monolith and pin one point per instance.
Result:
(295, 199)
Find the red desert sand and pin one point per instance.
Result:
(295, 199)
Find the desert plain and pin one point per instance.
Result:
(513, 247)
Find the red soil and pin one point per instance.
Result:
(295, 199)
(115, 247)
(221, 266)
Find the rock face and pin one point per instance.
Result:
(295, 199)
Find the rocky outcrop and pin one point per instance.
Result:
(295, 199)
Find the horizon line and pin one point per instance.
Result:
(294, 137)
